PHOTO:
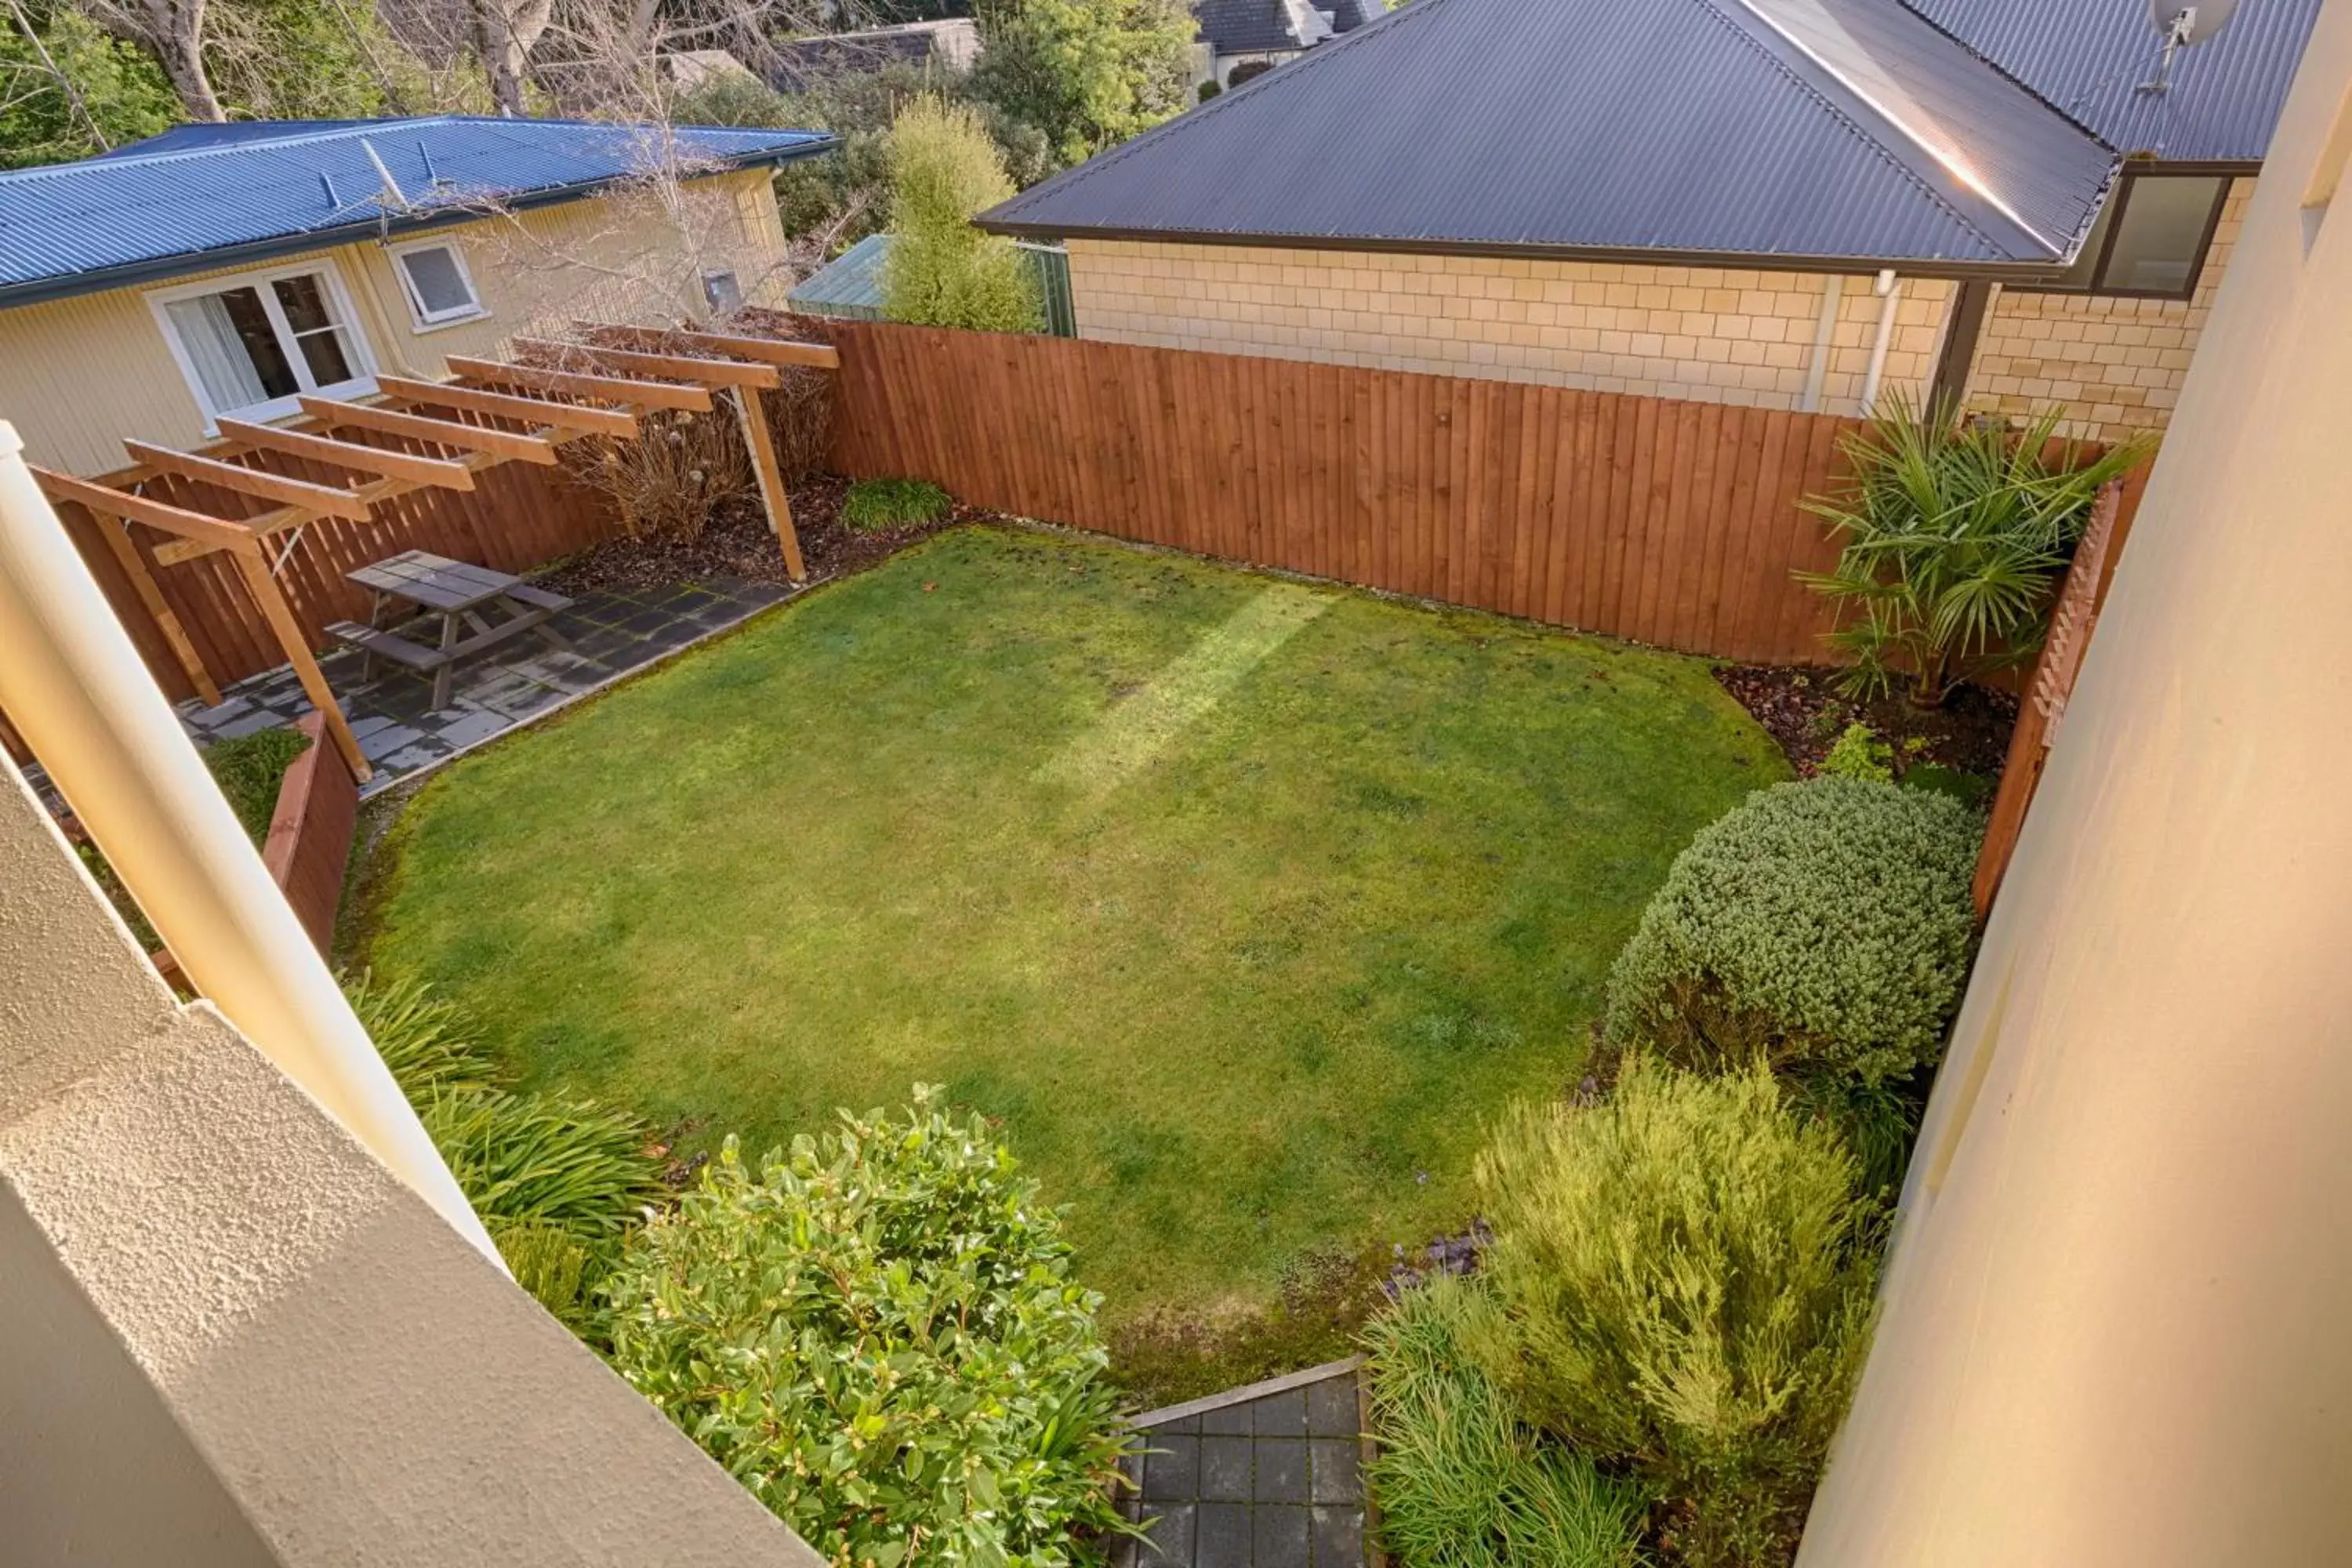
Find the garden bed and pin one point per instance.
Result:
(1804, 710)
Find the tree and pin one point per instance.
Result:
(1954, 534)
(1088, 74)
(68, 89)
(941, 271)
(173, 31)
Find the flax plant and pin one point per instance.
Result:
(1955, 533)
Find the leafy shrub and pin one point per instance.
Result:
(941, 271)
(1684, 1275)
(879, 1336)
(1207, 91)
(1822, 925)
(557, 1183)
(1860, 754)
(1954, 533)
(873, 506)
(249, 769)
(672, 478)
(1461, 1483)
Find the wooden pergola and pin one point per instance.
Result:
(506, 412)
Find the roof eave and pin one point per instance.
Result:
(156, 270)
(1910, 265)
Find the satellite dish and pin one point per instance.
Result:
(2181, 22)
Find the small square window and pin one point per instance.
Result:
(721, 292)
(438, 287)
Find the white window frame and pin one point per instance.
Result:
(433, 320)
(258, 279)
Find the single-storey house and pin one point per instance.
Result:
(950, 44)
(1239, 39)
(228, 269)
(1796, 204)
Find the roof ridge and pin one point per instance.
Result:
(363, 129)
(1877, 145)
(2003, 72)
(1071, 177)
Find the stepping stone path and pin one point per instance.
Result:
(1261, 1476)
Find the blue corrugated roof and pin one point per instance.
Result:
(1803, 130)
(2093, 60)
(200, 194)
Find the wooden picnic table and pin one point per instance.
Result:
(461, 596)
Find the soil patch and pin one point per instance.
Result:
(1805, 712)
(737, 542)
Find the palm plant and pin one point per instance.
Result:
(1955, 535)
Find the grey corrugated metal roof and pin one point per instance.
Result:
(1245, 26)
(1721, 126)
(2090, 58)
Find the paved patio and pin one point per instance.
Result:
(612, 634)
(1262, 1476)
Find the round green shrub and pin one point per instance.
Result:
(877, 1334)
(1822, 925)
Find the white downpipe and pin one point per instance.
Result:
(76, 689)
(1889, 290)
(1824, 330)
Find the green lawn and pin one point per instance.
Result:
(1241, 902)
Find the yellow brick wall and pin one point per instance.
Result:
(1723, 335)
(2116, 365)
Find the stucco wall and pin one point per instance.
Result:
(2117, 365)
(78, 374)
(233, 1337)
(2113, 1332)
(1725, 336)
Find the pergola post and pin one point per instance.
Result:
(773, 494)
(253, 565)
(117, 534)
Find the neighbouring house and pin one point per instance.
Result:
(1240, 39)
(229, 269)
(1797, 203)
(693, 70)
(946, 44)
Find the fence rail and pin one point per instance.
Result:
(1670, 523)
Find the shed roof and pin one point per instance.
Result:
(1846, 131)
(201, 194)
(849, 284)
(2093, 60)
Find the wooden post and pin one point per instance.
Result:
(254, 567)
(117, 534)
(762, 443)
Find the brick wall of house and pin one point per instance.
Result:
(1720, 335)
(2116, 364)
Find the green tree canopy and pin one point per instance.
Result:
(942, 272)
(1088, 74)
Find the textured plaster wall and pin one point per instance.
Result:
(2116, 365)
(2112, 1330)
(331, 1376)
(1717, 335)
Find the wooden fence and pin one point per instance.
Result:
(518, 516)
(1670, 523)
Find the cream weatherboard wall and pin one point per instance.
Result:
(2117, 365)
(1721, 335)
(78, 374)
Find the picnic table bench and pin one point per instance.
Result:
(461, 596)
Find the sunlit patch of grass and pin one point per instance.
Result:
(1240, 995)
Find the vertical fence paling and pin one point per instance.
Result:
(1671, 522)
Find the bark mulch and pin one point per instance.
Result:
(737, 542)
(1805, 712)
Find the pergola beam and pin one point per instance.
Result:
(325, 500)
(570, 384)
(356, 456)
(254, 567)
(573, 416)
(765, 351)
(505, 443)
(709, 372)
(117, 534)
(139, 508)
